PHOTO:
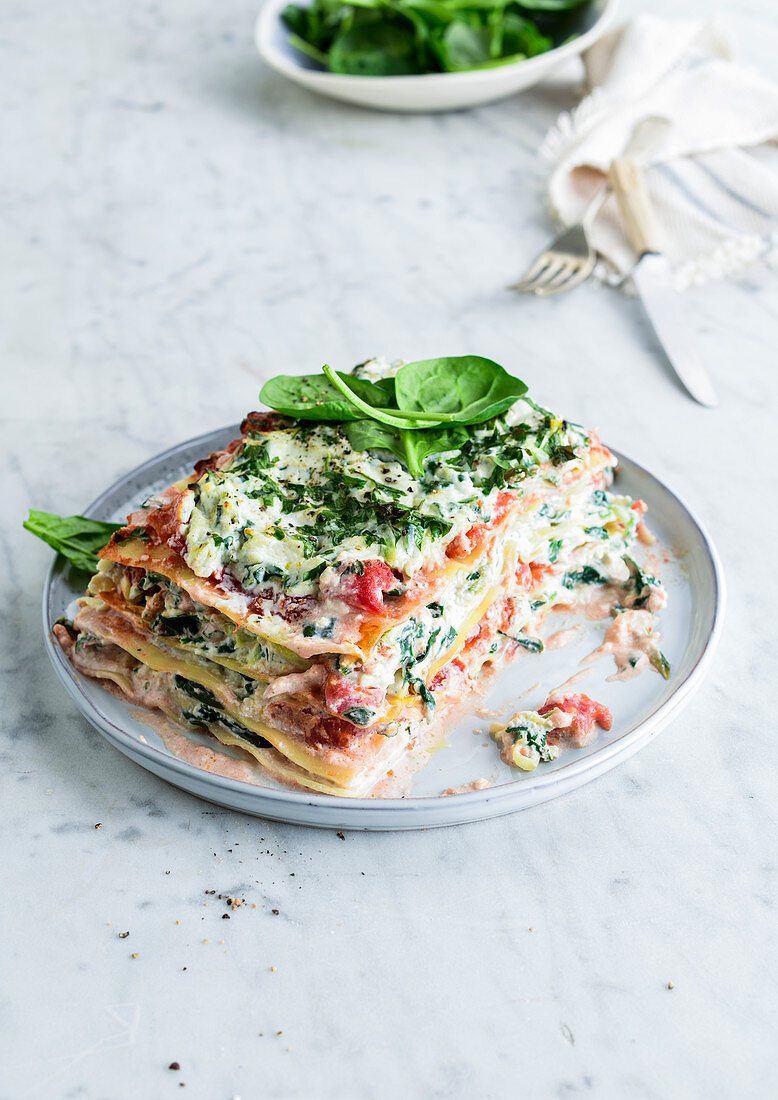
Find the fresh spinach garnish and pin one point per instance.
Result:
(315, 397)
(425, 412)
(467, 388)
(410, 447)
(75, 537)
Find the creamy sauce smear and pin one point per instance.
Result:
(212, 760)
(631, 640)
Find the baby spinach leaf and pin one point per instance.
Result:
(464, 47)
(396, 37)
(308, 48)
(369, 435)
(466, 388)
(375, 49)
(422, 411)
(314, 397)
(521, 36)
(410, 448)
(395, 418)
(75, 537)
(433, 441)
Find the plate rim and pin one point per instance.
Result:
(333, 805)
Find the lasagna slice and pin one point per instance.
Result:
(323, 609)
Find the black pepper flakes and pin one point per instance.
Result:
(123, 935)
(274, 912)
(225, 916)
(174, 1065)
(340, 836)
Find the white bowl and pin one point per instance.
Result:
(431, 91)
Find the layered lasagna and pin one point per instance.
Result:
(323, 609)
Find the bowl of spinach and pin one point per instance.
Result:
(425, 55)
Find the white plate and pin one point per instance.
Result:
(690, 627)
(430, 91)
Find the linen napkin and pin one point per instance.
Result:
(714, 181)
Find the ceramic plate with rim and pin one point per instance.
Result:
(428, 91)
(690, 625)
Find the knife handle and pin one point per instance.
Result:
(629, 187)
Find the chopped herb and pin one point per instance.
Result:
(318, 629)
(660, 663)
(587, 575)
(315, 572)
(360, 716)
(533, 645)
(422, 690)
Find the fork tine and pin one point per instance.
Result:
(532, 272)
(571, 275)
(546, 275)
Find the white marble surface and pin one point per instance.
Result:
(177, 223)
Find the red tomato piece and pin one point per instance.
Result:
(341, 694)
(365, 591)
(586, 714)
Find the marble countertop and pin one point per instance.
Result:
(176, 220)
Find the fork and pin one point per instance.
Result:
(570, 258)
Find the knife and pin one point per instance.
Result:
(652, 279)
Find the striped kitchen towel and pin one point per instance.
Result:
(714, 181)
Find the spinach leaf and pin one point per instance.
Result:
(464, 47)
(395, 418)
(532, 645)
(375, 49)
(196, 691)
(422, 411)
(369, 435)
(397, 37)
(314, 397)
(587, 575)
(467, 388)
(411, 448)
(75, 537)
(433, 441)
